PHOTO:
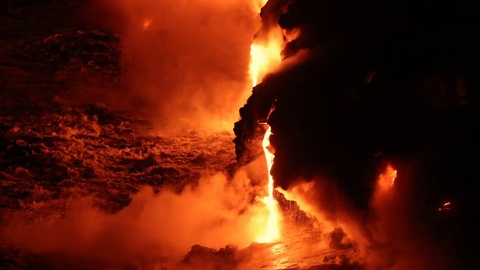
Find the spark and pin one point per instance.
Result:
(447, 206)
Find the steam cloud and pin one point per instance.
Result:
(153, 230)
(184, 64)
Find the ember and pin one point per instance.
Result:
(447, 206)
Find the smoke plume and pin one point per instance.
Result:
(183, 64)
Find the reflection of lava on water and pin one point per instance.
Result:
(114, 152)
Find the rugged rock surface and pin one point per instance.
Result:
(375, 82)
(370, 82)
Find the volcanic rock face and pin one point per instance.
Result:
(369, 83)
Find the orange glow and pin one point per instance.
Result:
(265, 52)
(147, 23)
(264, 57)
(259, 4)
(387, 179)
(272, 231)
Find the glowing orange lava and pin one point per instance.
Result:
(265, 55)
(259, 4)
(272, 231)
(263, 59)
(265, 52)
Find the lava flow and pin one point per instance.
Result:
(263, 58)
(265, 55)
(272, 231)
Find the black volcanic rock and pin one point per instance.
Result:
(392, 81)
(200, 257)
(370, 83)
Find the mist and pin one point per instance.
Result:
(155, 229)
(183, 65)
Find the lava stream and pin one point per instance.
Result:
(272, 231)
(263, 58)
(265, 54)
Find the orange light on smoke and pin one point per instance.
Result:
(147, 23)
(387, 179)
(272, 231)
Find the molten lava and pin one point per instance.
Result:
(263, 58)
(272, 231)
(265, 54)
(260, 3)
